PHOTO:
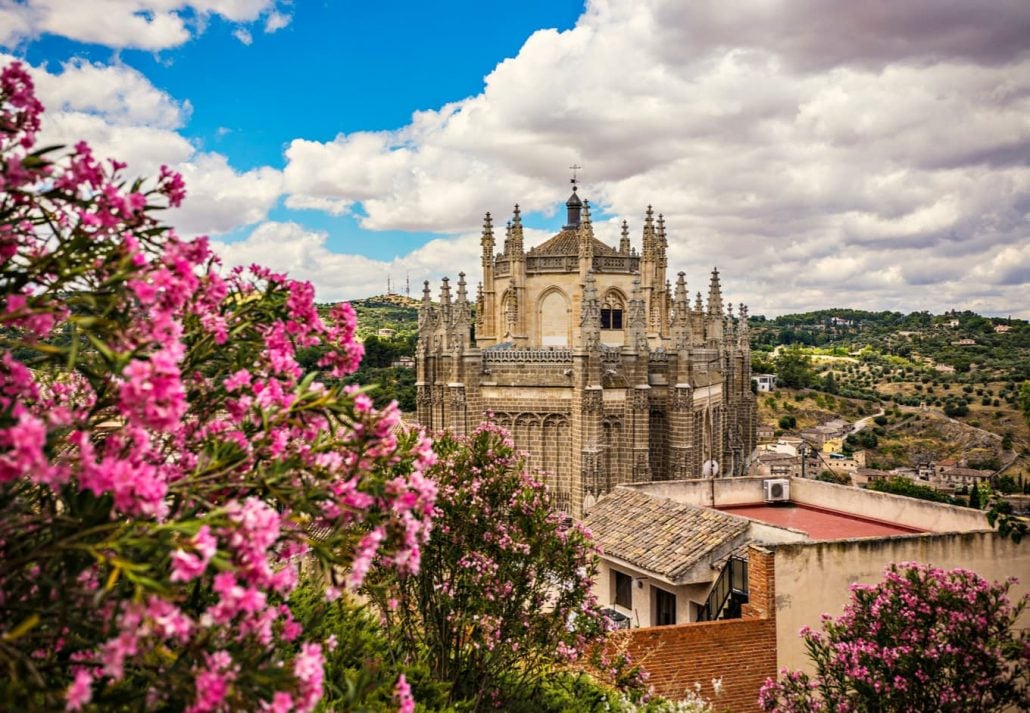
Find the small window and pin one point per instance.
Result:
(611, 318)
(664, 607)
(623, 590)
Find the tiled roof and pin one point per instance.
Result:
(660, 535)
(567, 243)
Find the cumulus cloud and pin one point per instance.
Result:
(302, 253)
(820, 153)
(121, 114)
(139, 24)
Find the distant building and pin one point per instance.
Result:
(1001, 328)
(967, 342)
(765, 432)
(404, 362)
(386, 333)
(764, 382)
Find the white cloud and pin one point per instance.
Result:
(243, 35)
(303, 254)
(122, 115)
(141, 24)
(276, 21)
(815, 166)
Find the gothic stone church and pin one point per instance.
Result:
(601, 370)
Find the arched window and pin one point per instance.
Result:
(611, 311)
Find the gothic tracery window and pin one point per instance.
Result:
(611, 311)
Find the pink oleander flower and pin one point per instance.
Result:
(80, 692)
(402, 696)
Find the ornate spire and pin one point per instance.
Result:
(425, 312)
(586, 235)
(682, 298)
(445, 292)
(462, 294)
(661, 242)
(681, 310)
(648, 251)
(487, 241)
(516, 233)
(714, 294)
(624, 242)
(698, 305)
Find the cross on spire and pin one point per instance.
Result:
(574, 167)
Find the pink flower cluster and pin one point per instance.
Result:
(922, 639)
(167, 432)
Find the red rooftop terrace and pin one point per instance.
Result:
(818, 523)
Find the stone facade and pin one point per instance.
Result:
(603, 372)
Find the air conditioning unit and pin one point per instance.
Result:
(777, 490)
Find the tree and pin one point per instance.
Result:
(974, 497)
(163, 459)
(1024, 401)
(503, 594)
(900, 485)
(788, 422)
(793, 368)
(923, 639)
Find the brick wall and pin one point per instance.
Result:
(742, 652)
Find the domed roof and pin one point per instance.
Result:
(567, 243)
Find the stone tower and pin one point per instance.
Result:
(603, 372)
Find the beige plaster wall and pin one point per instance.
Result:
(812, 578)
(921, 514)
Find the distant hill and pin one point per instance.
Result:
(387, 312)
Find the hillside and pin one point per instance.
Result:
(949, 383)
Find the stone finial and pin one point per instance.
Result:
(427, 295)
(462, 294)
(682, 298)
(698, 305)
(648, 251)
(624, 241)
(487, 241)
(714, 294)
(445, 291)
(516, 233)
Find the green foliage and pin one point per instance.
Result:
(1024, 401)
(1006, 484)
(903, 486)
(788, 422)
(974, 497)
(503, 593)
(363, 664)
(793, 368)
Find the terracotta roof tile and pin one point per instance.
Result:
(567, 243)
(660, 535)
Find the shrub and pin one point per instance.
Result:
(163, 460)
(922, 640)
(503, 595)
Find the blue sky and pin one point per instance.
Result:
(868, 155)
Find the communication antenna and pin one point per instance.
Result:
(388, 285)
(407, 284)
